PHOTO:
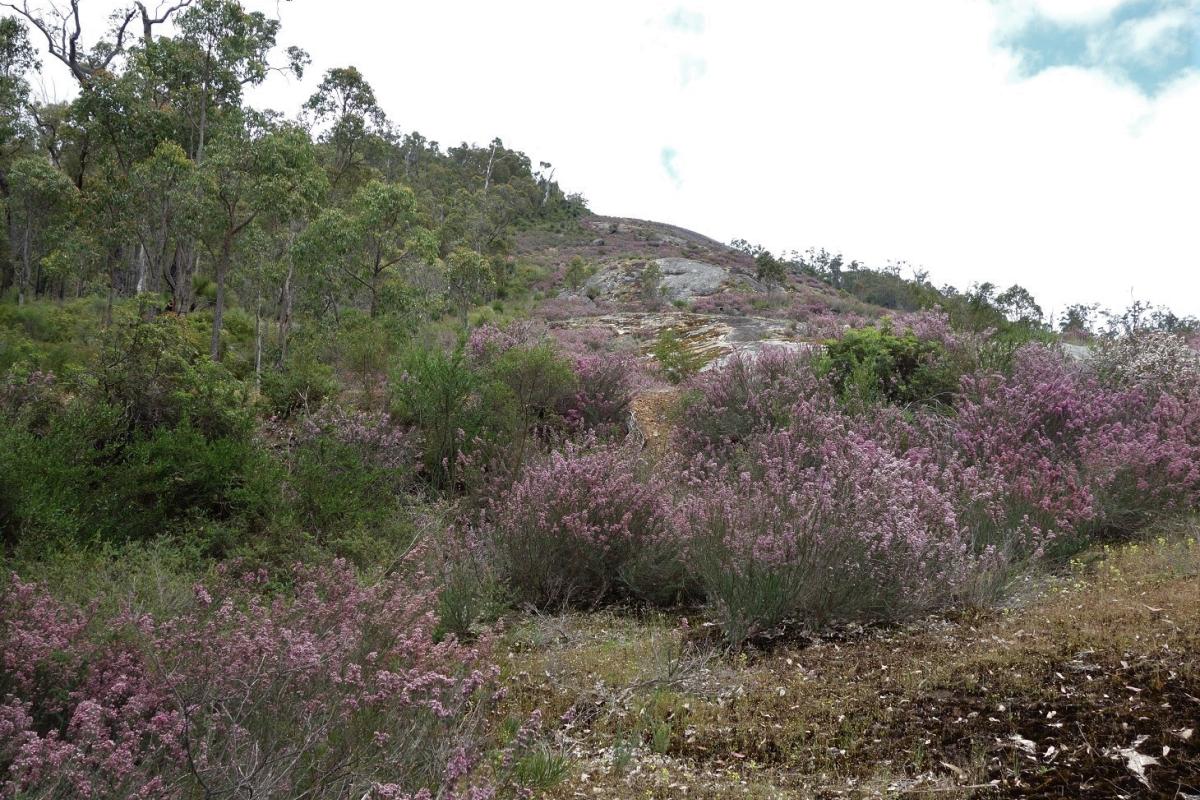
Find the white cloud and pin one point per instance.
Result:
(1149, 40)
(887, 130)
(1066, 11)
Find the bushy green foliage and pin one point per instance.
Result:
(876, 365)
(364, 348)
(154, 373)
(577, 272)
(675, 360)
(438, 394)
(154, 439)
(304, 383)
(48, 336)
(650, 285)
(87, 479)
(348, 477)
(533, 380)
(470, 596)
(481, 413)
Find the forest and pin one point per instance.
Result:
(339, 463)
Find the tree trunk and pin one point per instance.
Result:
(285, 313)
(189, 254)
(8, 275)
(23, 283)
(109, 262)
(142, 271)
(258, 342)
(214, 349)
(487, 179)
(180, 280)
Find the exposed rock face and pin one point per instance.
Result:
(692, 267)
(682, 279)
(1077, 352)
(712, 338)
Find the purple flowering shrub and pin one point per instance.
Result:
(825, 523)
(602, 382)
(1080, 454)
(582, 527)
(604, 387)
(570, 307)
(748, 395)
(337, 690)
(1148, 359)
(727, 302)
(798, 507)
(488, 342)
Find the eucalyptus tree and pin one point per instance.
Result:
(257, 170)
(98, 244)
(40, 203)
(360, 248)
(345, 110)
(220, 50)
(16, 60)
(163, 190)
(469, 280)
(61, 25)
(1018, 305)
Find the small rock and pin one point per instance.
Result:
(597, 242)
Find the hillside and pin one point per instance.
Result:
(339, 464)
(707, 293)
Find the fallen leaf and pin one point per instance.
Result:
(1135, 762)
(1025, 744)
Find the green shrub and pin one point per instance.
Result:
(86, 480)
(178, 477)
(348, 472)
(365, 348)
(48, 336)
(438, 394)
(470, 597)
(153, 439)
(675, 360)
(488, 414)
(534, 380)
(869, 365)
(156, 374)
(304, 383)
(46, 476)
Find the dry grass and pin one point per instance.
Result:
(1061, 695)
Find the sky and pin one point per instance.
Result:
(1050, 143)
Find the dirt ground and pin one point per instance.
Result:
(1087, 685)
(651, 412)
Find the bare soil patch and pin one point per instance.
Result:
(1090, 689)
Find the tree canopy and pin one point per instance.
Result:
(158, 181)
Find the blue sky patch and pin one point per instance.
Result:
(1149, 43)
(685, 20)
(667, 159)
